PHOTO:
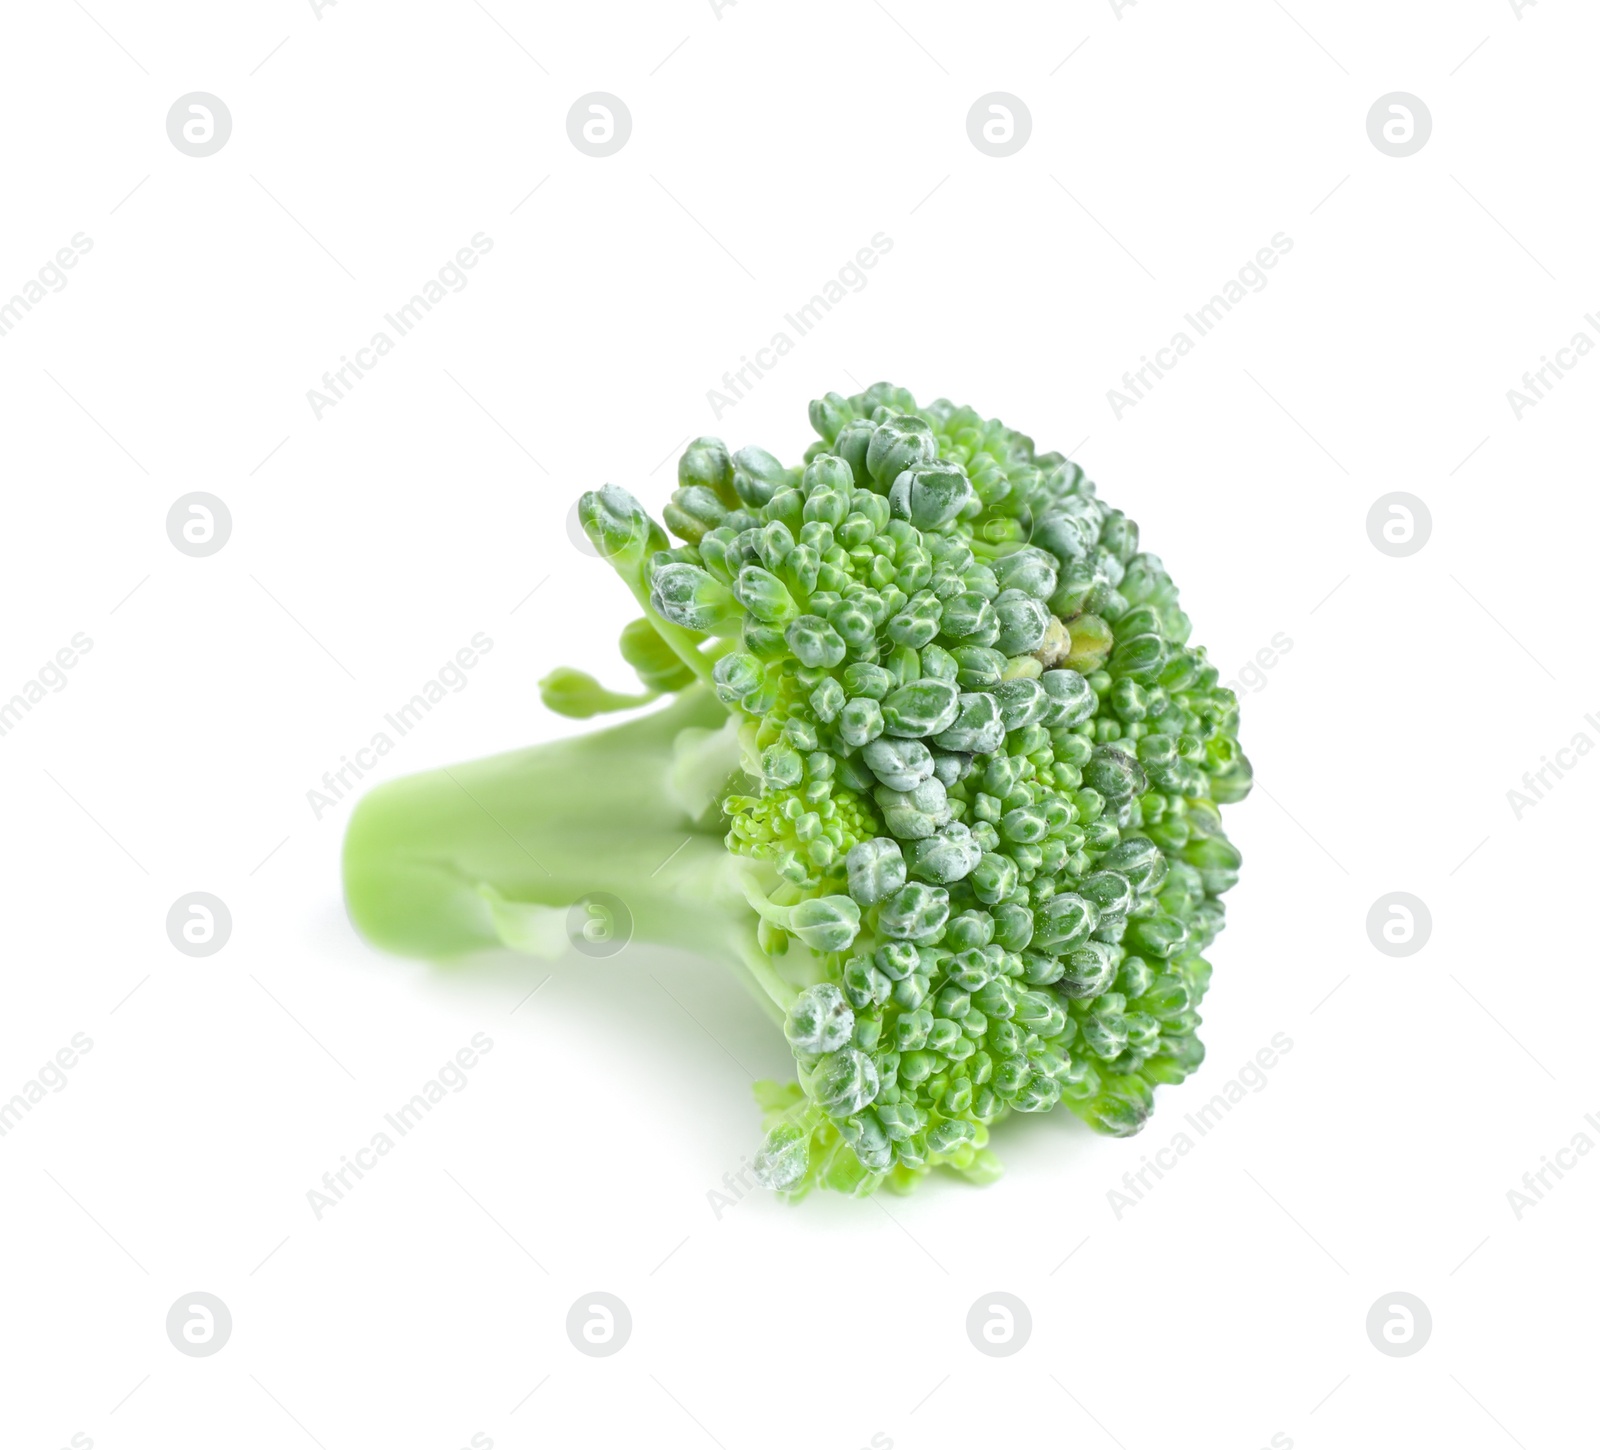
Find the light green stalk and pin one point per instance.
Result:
(494, 853)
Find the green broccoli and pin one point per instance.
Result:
(940, 776)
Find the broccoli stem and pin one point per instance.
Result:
(427, 857)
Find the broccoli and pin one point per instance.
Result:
(940, 777)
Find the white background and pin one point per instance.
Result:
(768, 145)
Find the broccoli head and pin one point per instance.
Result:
(941, 778)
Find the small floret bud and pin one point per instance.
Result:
(899, 443)
(685, 595)
(845, 1082)
(922, 707)
(820, 1020)
(876, 869)
(757, 475)
(902, 765)
(705, 462)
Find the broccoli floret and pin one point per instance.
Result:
(941, 778)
